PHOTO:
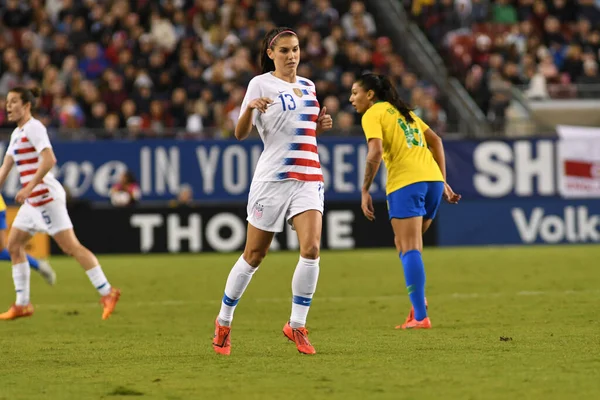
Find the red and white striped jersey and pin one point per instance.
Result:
(26, 144)
(287, 129)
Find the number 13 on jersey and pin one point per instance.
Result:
(291, 103)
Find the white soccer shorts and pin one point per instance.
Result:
(50, 218)
(270, 204)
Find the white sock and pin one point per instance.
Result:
(21, 274)
(237, 282)
(304, 284)
(99, 281)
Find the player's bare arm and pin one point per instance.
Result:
(374, 154)
(437, 149)
(47, 162)
(6, 167)
(244, 124)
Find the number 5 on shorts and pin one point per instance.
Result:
(47, 219)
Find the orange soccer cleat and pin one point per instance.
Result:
(16, 311)
(414, 324)
(221, 341)
(300, 337)
(411, 314)
(109, 302)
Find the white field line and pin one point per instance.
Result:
(321, 299)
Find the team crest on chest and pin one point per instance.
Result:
(298, 92)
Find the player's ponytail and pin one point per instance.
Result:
(385, 91)
(27, 95)
(269, 42)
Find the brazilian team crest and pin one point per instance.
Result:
(298, 92)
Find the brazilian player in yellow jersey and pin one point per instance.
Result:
(416, 178)
(41, 266)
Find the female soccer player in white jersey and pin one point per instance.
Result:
(43, 206)
(287, 183)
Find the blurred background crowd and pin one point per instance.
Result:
(141, 68)
(550, 49)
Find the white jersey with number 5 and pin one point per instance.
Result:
(26, 144)
(287, 129)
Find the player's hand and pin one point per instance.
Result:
(324, 122)
(261, 104)
(449, 195)
(23, 194)
(367, 206)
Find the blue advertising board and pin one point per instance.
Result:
(218, 171)
(221, 171)
(522, 221)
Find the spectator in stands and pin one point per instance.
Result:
(573, 64)
(479, 10)
(537, 89)
(188, 57)
(111, 127)
(96, 120)
(345, 123)
(93, 63)
(126, 192)
(13, 77)
(185, 197)
(590, 77)
(543, 45)
(355, 17)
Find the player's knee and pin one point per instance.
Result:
(254, 256)
(407, 244)
(15, 249)
(398, 244)
(70, 249)
(310, 251)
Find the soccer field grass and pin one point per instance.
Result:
(544, 302)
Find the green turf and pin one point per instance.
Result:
(544, 300)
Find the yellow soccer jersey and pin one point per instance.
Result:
(2, 204)
(405, 152)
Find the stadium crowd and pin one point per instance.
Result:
(548, 48)
(141, 68)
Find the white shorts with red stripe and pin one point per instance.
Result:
(270, 204)
(50, 218)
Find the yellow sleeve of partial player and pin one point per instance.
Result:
(2, 204)
(371, 124)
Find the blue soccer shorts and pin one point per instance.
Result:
(420, 199)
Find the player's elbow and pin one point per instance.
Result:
(240, 133)
(50, 161)
(375, 151)
(375, 154)
(437, 141)
(48, 158)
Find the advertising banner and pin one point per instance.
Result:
(219, 229)
(524, 221)
(579, 162)
(217, 171)
(221, 171)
